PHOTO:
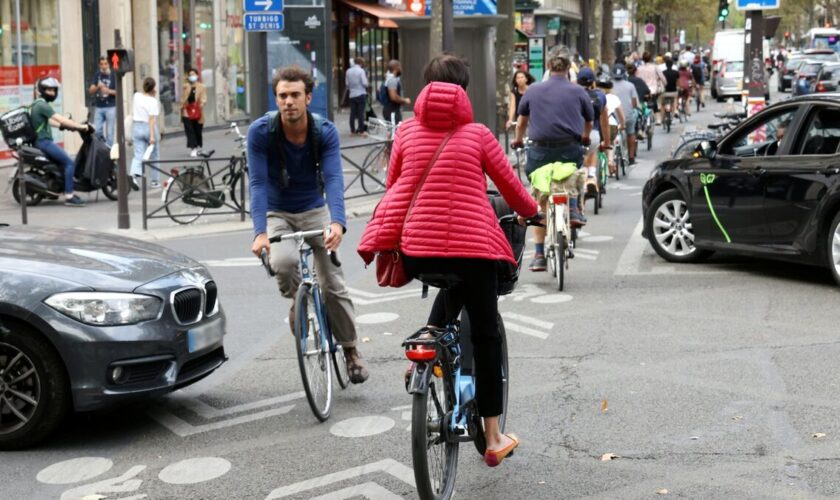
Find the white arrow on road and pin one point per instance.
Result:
(265, 4)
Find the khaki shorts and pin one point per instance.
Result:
(572, 185)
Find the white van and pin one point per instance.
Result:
(728, 64)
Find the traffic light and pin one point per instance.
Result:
(121, 60)
(723, 10)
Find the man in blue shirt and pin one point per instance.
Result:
(558, 115)
(104, 86)
(292, 165)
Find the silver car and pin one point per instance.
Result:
(728, 81)
(89, 319)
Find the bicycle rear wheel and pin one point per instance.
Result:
(434, 456)
(375, 164)
(235, 194)
(480, 442)
(560, 260)
(340, 365)
(189, 183)
(649, 141)
(315, 367)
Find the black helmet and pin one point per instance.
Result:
(604, 81)
(48, 83)
(619, 72)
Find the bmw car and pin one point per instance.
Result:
(770, 188)
(88, 320)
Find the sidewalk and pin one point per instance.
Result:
(100, 214)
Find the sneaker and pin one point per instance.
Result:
(538, 264)
(194, 153)
(154, 185)
(75, 201)
(134, 181)
(576, 219)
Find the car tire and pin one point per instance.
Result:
(833, 249)
(666, 214)
(22, 352)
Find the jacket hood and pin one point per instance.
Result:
(443, 106)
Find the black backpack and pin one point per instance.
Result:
(596, 103)
(313, 137)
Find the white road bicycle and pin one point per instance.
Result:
(559, 237)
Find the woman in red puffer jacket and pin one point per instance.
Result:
(452, 228)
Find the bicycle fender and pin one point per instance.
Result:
(420, 377)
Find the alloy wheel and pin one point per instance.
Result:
(835, 249)
(673, 230)
(20, 389)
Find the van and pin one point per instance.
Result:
(728, 64)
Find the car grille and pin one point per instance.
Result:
(186, 305)
(211, 296)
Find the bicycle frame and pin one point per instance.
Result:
(557, 200)
(308, 278)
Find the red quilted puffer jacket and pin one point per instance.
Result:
(452, 216)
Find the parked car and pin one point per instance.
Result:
(729, 80)
(805, 76)
(770, 188)
(88, 320)
(828, 79)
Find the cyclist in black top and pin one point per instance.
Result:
(671, 78)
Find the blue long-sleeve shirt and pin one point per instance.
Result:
(304, 191)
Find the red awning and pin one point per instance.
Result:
(383, 14)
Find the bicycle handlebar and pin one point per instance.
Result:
(300, 235)
(536, 220)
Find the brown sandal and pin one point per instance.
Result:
(355, 366)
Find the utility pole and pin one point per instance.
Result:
(122, 62)
(448, 26)
(504, 61)
(436, 28)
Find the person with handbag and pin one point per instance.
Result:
(435, 217)
(296, 184)
(193, 99)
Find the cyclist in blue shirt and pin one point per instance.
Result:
(293, 162)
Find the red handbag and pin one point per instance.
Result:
(390, 266)
(192, 111)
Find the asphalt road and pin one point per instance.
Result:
(714, 380)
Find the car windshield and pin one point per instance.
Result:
(732, 66)
(810, 69)
(794, 64)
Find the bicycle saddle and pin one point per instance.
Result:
(207, 154)
(439, 280)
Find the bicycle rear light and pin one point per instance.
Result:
(174, 172)
(420, 353)
(559, 199)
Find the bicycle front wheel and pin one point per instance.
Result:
(375, 164)
(181, 188)
(313, 354)
(435, 457)
(559, 260)
(235, 193)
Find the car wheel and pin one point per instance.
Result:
(670, 231)
(34, 392)
(833, 241)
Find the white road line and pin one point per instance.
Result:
(513, 327)
(529, 320)
(388, 466)
(587, 250)
(585, 256)
(369, 490)
(208, 412)
(628, 262)
(379, 295)
(184, 429)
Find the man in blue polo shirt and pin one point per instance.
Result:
(558, 115)
(293, 161)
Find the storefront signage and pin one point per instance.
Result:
(263, 5)
(553, 25)
(468, 7)
(536, 56)
(263, 22)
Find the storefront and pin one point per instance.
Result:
(208, 36)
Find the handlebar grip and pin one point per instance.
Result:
(334, 259)
(536, 220)
(265, 263)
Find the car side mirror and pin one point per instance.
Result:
(706, 149)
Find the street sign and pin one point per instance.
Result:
(650, 32)
(263, 22)
(757, 4)
(263, 5)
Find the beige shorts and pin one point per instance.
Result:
(573, 185)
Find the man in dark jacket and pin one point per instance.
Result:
(292, 166)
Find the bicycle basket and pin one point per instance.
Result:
(380, 129)
(515, 234)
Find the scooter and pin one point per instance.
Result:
(45, 180)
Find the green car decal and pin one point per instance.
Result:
(705, 180)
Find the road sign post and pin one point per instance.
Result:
(263, 15)
(121, 61)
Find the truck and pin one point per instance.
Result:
(728, 64)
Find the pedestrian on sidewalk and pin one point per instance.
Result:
(357, 85)
(193, 99)
(104, 87)
(145, 132)
(521, 81)
(392, 108)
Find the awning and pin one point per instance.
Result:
(383, 14)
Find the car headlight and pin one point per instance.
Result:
(106, 309)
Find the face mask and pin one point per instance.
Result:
(192, 78)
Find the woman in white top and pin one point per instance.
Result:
(145, 132)
(616, 116)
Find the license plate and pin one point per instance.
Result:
(203, 337)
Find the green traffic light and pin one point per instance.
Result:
(724, 12)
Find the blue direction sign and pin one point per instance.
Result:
(757, 4)
(263, 22)
(263, 5)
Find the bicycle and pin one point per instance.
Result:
(442, 386)
(560, 236)
(313, 337)
(689, 140)
(618, 155)
(376, 160)
(667, 119)
(190, 191)
(646, 125)
(597, 189)
(681, 115)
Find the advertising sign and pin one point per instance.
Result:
(468, 7)
(536, 57)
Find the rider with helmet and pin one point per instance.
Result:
(626, 91)
(43, 117)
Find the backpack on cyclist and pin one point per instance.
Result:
(313, 137)
(17, 123)
(596, 103)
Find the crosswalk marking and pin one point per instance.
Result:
(529, 320)
(527, 331)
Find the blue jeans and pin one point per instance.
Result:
(56, 154)
(539, 156)
(105, 117)
(140, 136)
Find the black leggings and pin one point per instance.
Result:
(477, 293)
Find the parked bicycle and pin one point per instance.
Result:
(318, 352)
(191, 190)
(691, 139)
(376, 161)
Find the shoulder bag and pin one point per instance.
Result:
(390, 267)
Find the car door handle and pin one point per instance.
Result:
(758, 171)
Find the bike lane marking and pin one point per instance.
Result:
(387, 466)
(74, 470)
(358, 427)
(194, 470)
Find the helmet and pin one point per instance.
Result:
(683, 64)
(619, 72)
(668, 55)
(604, 81)
(48, 83)
(585, 77)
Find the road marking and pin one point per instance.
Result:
(119, 484)
(363, 298)
(552, 298)
(375, 295)
(74, 470)
(362, 426)
(513, 327)
(388, 466)
(194, 470)
(585, 256)
(369, 490)
(376, 318)
(208, 412)
(597, 239)
(185, 429)
(547, 325)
